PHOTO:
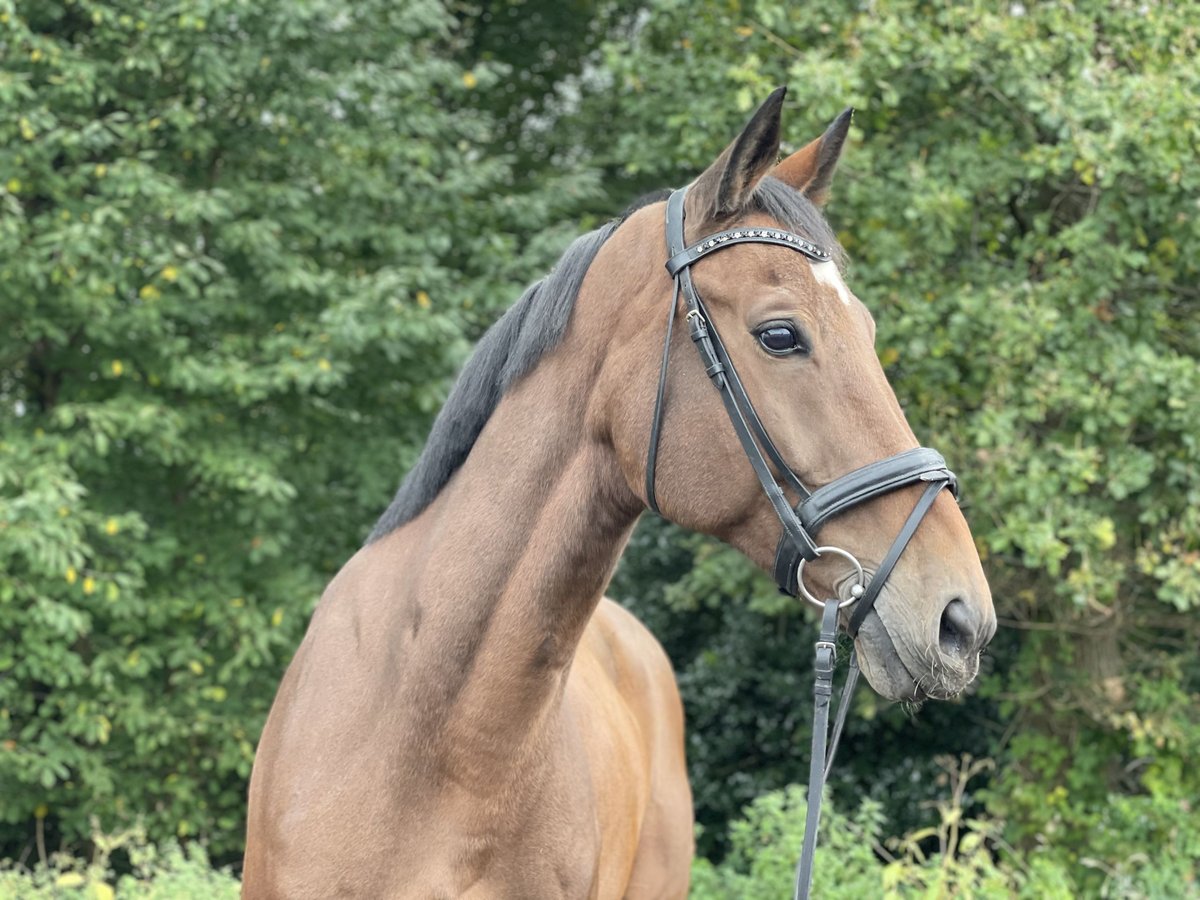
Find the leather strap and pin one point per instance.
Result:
(793, 531)
(873, 479)
(751, 415)
(659, 404)
(843, 707)
(867, 601)
(823, 665)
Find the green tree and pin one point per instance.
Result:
(241, 247)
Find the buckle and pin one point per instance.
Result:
(824, 663)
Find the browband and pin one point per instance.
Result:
(685, 258)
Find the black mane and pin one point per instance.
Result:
(533, 326)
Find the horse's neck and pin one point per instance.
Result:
(506, 567)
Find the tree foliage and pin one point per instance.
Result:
(241, 248)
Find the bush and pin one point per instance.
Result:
(959, 855)
(166, 872)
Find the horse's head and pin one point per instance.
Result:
(803, 345)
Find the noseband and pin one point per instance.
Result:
(812, 508)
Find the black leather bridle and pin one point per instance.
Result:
(801, 521)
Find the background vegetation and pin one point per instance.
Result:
(244, 246)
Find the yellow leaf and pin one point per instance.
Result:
(26, 128)
(35, 55)
(101, 891)
(70, 880)
(744, 30)
(170, 273)
(71, 575)
(112, 526)
(149, 292)
(117, 367)
(888, 356)
(1105, 533)
(469, 80)
(101, 170)
(89, 585)
(64, 511)
(41, 811)
(323, 364)
(277, 617)
(197, 667)
(423, 300)
(14, 185)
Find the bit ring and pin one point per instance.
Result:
(856, 590)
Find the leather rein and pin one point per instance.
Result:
(802, 519)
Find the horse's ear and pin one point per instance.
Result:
(811, 169)
(725, 186)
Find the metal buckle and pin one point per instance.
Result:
(856, 590)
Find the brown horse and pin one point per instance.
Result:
(467, 716)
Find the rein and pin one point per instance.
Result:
(802, 520)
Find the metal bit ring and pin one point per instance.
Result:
(856, 590)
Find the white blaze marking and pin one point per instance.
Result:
(827, 274)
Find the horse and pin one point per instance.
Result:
(468, 715)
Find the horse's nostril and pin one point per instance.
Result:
(959, 629)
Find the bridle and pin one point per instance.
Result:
(801, 521)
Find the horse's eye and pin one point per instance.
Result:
(780, 339)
